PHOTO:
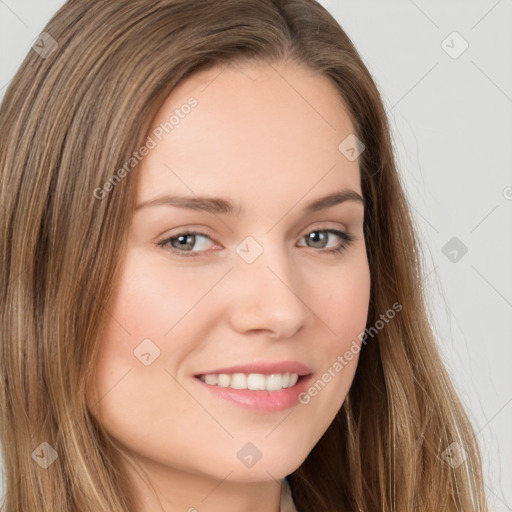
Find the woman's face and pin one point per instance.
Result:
(258, 297)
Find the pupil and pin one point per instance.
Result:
(317, 236)
(185, 240)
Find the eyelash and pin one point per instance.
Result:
(347, 238)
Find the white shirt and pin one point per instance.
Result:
(287, 504)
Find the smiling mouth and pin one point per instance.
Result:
(261, 393)
(252, 381)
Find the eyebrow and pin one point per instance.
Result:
(218, 205)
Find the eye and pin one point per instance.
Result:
(320, 237)
(184, 242)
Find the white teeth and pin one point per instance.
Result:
(273, 382)
(238, 381)
(256, 381)
(211, 379)
(223, 380)
(252, 381)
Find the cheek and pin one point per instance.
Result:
(147, 313)
(343, 305)
(343, 311)
(152, 299)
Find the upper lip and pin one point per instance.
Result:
(266, 368)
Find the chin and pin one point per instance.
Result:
(270, 467)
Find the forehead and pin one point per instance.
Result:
(255, 130)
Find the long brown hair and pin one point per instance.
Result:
(74, 113)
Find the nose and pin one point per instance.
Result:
(267, 295)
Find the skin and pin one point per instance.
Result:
(265, 137)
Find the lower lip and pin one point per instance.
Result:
(261, 400)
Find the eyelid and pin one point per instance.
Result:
(204, 233)
(186, 231)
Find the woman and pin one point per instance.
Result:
(212, 285)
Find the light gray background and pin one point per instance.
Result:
(452, 127)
